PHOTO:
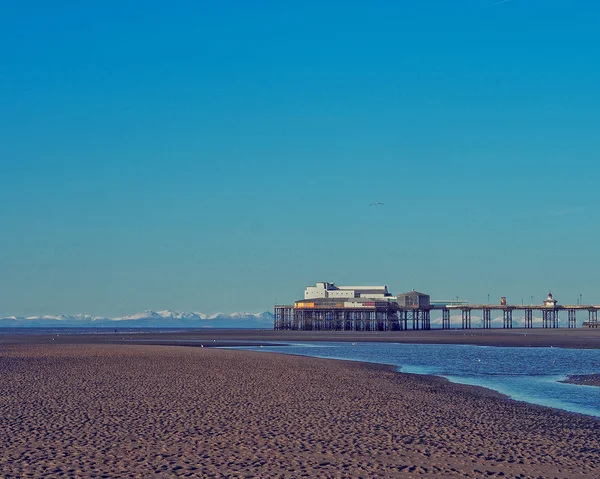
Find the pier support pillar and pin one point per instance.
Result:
(593, 318)
(381, 320)
(348, 325)
(305, 321)
(427, 319)
(572, 321)
(394, 321)
(466, 319)
(528, 318)
(415, 319)
(487, 319)
(288, 318)
(279, 318)
(445, 318)
(364, 319)
(550, 318)
(297, 324)
(507, 318)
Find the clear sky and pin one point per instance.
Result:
(222, 155)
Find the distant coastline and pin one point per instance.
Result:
(539, 338)
(145, 319)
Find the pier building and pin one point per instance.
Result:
(327, 307)
(330, 290)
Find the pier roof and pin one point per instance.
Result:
(413, 292)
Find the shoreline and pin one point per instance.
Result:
(580, 338)
(141, 411)
(583, 380)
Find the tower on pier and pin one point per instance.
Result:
(550, 302)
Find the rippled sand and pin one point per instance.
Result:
(111, 411)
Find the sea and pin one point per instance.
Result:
(531, 375)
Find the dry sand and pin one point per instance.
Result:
(110, 411)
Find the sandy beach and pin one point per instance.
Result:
(122, 410)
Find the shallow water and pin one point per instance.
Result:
(525, 374)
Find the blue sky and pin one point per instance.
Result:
(220, 156)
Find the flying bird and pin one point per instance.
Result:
(377, 203)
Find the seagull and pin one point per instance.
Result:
(377, 203)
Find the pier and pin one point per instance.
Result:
(389, 317)
(414, 311)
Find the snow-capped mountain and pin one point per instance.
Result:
(146, 319)
(165, 314)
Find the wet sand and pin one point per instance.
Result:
(122, 410)
(584, 379)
